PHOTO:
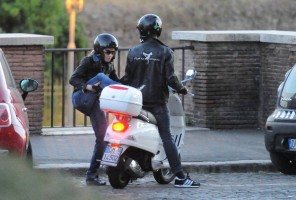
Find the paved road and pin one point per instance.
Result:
(204, 150)
(222, 186)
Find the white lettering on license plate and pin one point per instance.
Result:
(292, 143)
(112, 154)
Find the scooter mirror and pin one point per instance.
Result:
(191, 73)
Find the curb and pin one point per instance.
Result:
(67, 131)
(88, 130)
(243, 166)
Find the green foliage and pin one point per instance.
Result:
(38, 17)
(45, 17)
(18, 181)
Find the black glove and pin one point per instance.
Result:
(183, 90)
(97, 88)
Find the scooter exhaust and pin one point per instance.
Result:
(156, 165)
(133, 168)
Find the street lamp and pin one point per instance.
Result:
(73, 7)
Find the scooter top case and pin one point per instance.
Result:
(121, 99)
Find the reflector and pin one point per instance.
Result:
(117, 87)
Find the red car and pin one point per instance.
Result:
(14, 126)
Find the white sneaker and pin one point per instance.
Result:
(186, 183)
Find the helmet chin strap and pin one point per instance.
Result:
(144, 38)
(96, 57)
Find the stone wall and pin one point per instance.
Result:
(239, 72)
(228, 85)
(25, 55)
(236, 86)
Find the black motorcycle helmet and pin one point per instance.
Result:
(150, 25)
(103, 41)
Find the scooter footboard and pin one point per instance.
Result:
(112, 154)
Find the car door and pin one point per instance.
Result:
(15, 99)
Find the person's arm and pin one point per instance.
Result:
(114, 76)
(171, 78)
(78, 78)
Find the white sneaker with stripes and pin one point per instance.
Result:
(186, 183)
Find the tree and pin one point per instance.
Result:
(38, 17)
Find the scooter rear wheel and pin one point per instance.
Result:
(117, 177)
(164, 176)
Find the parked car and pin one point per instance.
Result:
(14, 124)
(280, 134)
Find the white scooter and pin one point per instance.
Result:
(134, 145)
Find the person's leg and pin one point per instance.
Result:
(83, 101)
(99, 124)
(76, 99)
(103, 79)
(161, 114)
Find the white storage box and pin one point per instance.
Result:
(121, 99)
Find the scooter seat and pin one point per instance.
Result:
(147, 116)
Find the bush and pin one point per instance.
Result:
(18, 181)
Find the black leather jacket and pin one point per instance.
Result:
(88, 68)
(151, 63)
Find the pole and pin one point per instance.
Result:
(73, 7)
(71, 45)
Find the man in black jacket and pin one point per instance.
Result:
(86, 81)
(151, 64)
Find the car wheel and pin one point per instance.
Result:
(284, 163)
(29, 156)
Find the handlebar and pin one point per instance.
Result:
(186, 80)
(174, 91)
(190, 93)
(190, 75)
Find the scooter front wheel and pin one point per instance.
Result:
(164, 176)
(117, 177)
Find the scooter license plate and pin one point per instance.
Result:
(111, 155)
(292, 143)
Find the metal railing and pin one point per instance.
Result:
(56, 83)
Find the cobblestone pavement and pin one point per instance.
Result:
(222, 186)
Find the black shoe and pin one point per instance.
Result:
(186, 183)
(95, 181)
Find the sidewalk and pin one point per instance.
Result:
(204, 150)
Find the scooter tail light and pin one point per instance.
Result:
(119, 126)
(5, 115)
(115, 145)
